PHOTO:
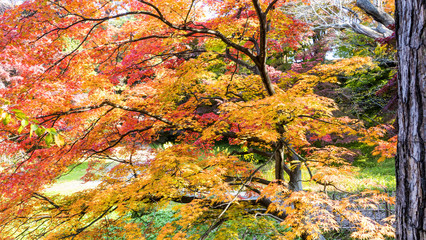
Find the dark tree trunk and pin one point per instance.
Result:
(279, 163)
(410, 161)
(284, 151)
(293, 170)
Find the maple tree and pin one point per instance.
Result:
(101, 80)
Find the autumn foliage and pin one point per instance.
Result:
(100, 81)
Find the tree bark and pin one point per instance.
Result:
(410, 160)
(295, 182)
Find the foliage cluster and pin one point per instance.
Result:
(107, 79)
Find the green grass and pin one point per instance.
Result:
(370, 168)
(381, 172)
(75, 172)
(372, 175)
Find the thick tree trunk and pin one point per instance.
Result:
(410, 161)
(266, 80)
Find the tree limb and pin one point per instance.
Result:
(377, 14)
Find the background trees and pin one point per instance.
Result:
(4, 6)
(102, 80)
(366, 17)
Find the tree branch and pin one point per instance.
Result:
(107, 103)
(240, 179)
(79, 230)
(377, 14)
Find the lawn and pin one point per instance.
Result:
(71, 182)
(76, 172)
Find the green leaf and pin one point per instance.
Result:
(52, 131)
(6, 119)
(33, 128)
(17, 111)
(5, 101)
(40, 131)
(48, 139)
(19, 114)
(24, 122)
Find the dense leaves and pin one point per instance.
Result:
(100, 81)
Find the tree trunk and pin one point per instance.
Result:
(293, 170)
(410, 160)
(279, 164)
(295, 174)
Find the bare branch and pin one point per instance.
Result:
(240, 179)
(107, 103)
(46, 199)
(79, 230)
(377, 14)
